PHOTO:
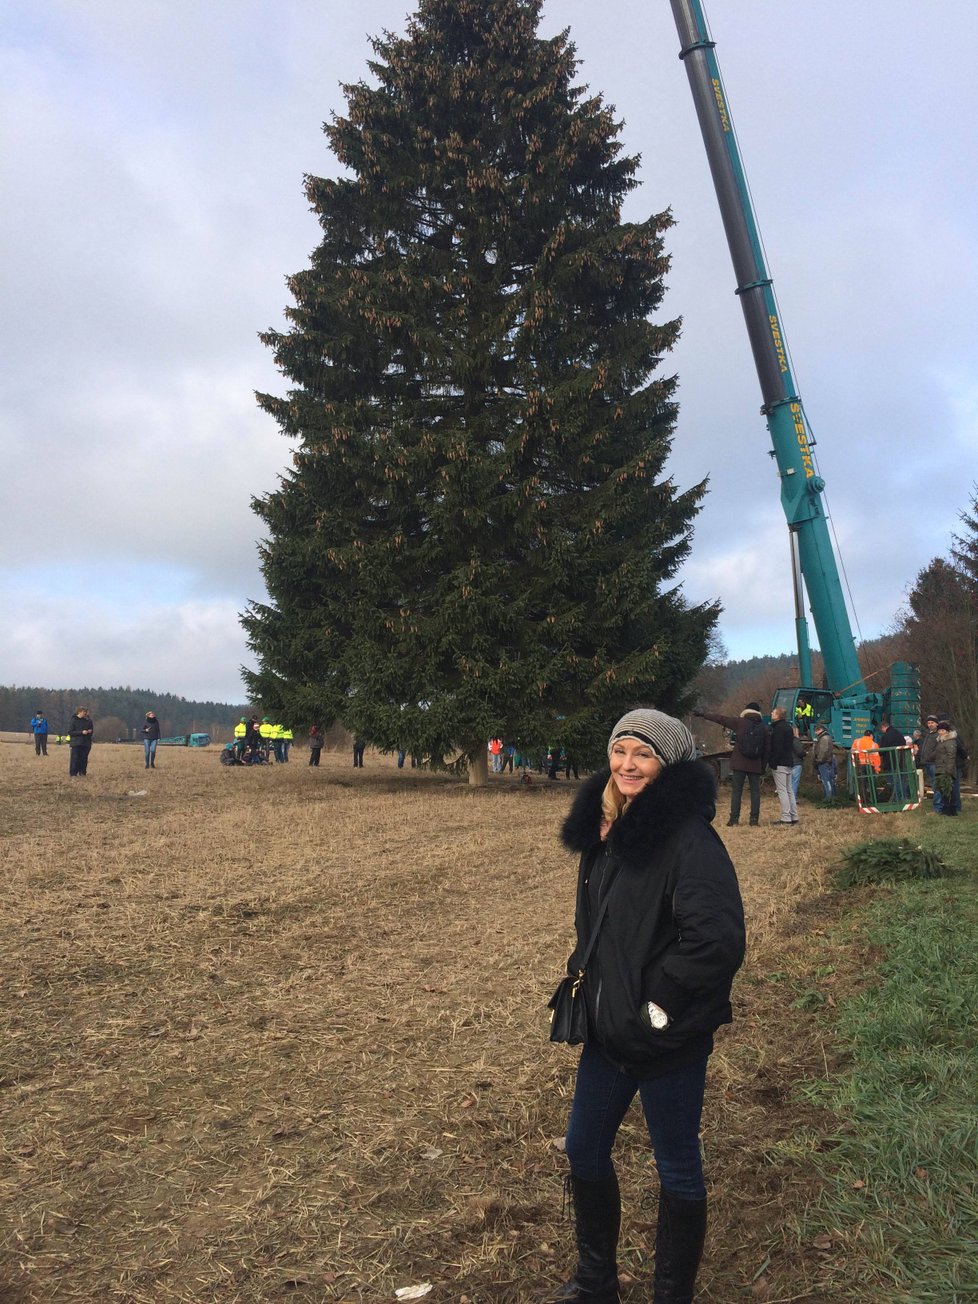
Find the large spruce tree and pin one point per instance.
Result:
(476, 536)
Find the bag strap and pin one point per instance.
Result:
(596, 928)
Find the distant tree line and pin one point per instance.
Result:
(118, 712)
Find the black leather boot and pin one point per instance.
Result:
(597, 1218)
(679, 1241)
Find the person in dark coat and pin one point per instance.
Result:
(926, 755)
(893, 762)
(749, 768)
(151, 736)
(823, 758)
(656, 987)
(80, 733)
(947, 768)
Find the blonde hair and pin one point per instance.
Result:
(613, 802)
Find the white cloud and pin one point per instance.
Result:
(192, 649)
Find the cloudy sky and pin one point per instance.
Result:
(151, 164)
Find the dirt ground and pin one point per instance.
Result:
(280, 1034)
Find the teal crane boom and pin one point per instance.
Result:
(847, 705)
(801, 486)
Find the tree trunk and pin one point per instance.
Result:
(479, 768)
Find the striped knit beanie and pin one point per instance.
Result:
(669, 739)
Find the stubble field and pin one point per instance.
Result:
(280, 1034)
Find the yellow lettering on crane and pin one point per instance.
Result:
(721, 107)
(778, 343)
(801, 434)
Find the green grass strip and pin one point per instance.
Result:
(901, 1172)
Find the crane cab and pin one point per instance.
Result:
(806, 707)
(846, 718)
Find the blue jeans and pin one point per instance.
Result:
(826, 772)
(930, 778)
(149, 747)
(957, 794)
(795, 778)
(672, 1106)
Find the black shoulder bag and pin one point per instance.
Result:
(568, 1014)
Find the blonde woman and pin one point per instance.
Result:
(656, 987)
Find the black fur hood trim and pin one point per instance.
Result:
(684, 791)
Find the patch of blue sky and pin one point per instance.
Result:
(119, 584)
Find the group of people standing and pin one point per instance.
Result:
(758, 748)
(938, 752)
(81, 734)
(81, 730)
(942, 756)
(553, 760)
(260, 741)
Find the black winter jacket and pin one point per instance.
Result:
(674, 929)
(151, 728)
(782, 751)
(80, 730)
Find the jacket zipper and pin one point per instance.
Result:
(597, 994)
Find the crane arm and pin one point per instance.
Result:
(801, 486)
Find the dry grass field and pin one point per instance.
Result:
(280, 1034)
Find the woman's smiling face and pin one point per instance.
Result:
(634, 765)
